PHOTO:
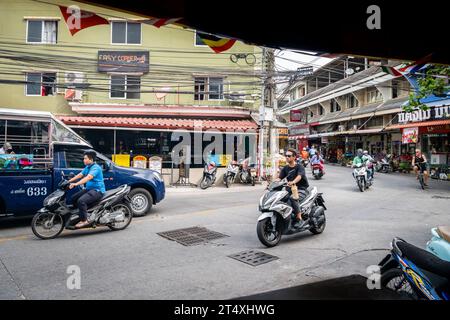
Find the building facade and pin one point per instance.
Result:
(364, 109)
(124, 84)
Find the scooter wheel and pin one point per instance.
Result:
(267, 238)
(40, 225)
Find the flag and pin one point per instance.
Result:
(156, 22)
(392, 71)
(218, 44)
(77, 20)
(416, 66)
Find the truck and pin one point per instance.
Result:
(43, 150)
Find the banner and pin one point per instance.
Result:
(77, 20)
(410, 135)
(296, 115)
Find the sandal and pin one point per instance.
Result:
(81, 224)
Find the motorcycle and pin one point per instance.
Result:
(230, 175)
(209, 175)
(415, 272)
(439, 244)
(277, 217)
(317, 171)
(247, 173)
(113, 211)
(384, 166)
(361, 176)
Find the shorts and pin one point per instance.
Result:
(421, 166)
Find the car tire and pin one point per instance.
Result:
(143, 199)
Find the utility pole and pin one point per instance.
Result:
(268, 100)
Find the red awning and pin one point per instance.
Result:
(160, 123)
(419, 124)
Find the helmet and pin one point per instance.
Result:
(359, 152)
(304, 148)
(7, 146)
(365, 152)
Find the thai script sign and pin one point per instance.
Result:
(424, 115)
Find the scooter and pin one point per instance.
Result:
(361, 177)
(277, 217)
(384, 165)
(113, 211)
(415, 272)
(209, 175)
(230, 175)
(247, 173)
(439, 244)
(317, 171)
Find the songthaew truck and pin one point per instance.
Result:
(36, 150)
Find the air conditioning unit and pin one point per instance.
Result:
(74, 83)
(237, 96)
(355, 127)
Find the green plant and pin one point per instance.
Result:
(434, 82)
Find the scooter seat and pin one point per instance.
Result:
(425, 260)
(444, 232)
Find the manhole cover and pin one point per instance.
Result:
(191, 236)
(253, 258)
(440, 197)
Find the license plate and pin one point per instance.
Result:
(316, 171)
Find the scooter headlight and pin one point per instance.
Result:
(51, 200)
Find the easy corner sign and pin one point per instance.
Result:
(124, 61)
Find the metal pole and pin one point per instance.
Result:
(261, 122)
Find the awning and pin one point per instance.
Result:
(160, 123)
(419, 124)
(363, 131)
(298, 137)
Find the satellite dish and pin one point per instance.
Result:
(349, 71)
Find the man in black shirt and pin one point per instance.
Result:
(294, 174)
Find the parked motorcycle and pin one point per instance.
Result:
(209, 175)
(317, 171)
(247, 173)
(113, 211)
(361, 176)
(415, 272)
(230, 175)
(439, 245)
(277, 217)
(384, 165)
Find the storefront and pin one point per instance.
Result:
(122, 139)
(298, 136)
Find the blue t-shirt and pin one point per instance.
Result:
(97, 183)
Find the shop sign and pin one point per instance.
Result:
(324, 140)
(299, 130)
(140, 162)
(283, 133)
(435, 129)
(123, 61)
(296, 116)
(423, 115)
(155, 163)
(122, 160)
(410, 135)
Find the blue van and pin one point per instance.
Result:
(43, 149)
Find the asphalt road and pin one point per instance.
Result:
(139, 264)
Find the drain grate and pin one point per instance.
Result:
(191, 236)
(440, 197)
(253, 258)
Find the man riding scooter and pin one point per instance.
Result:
(92, 176)
(295, 175)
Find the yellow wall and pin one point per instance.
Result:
(82, 48)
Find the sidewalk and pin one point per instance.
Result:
(216, 188)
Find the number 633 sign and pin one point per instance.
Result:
(36, 191)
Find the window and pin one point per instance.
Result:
(126, 32)
(215, 89)
(334, 106)
(125, 87)
(208, 88)
(351, 101)
(374, 96)
(40, 84)
(42, 31)
(74, 159)
(395, 89)
(321, 110)
(198, 40)
(200, 88)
